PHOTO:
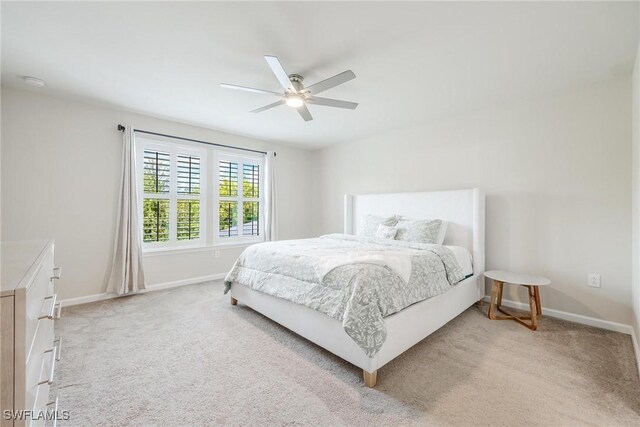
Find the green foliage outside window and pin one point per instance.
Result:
(188, 219)
(228, 212)
(251, 218)
(156, 220)
(156, 172)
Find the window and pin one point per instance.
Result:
(183, 205)
(157, 175)
(188, 216)
(239, 198)
(171, 195)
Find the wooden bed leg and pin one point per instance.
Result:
(370, 378)
(234, 301)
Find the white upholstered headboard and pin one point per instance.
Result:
(463, 209)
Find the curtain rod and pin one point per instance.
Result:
(121, 129)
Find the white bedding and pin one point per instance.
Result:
(400, 262)
(357, 280)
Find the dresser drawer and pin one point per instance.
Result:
(51, 409)
(41, 395)
(40, 302)
(40, 372)
(42, 342)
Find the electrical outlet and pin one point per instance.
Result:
(216, 254)
(593, 280)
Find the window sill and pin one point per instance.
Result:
(201, 248)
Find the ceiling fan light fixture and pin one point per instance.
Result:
(295, 101)
(295, 94)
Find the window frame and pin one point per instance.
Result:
(241, 159)
(174, 150)
(209, 196)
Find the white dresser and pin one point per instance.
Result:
(28, 348)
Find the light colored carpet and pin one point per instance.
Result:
(186, 357)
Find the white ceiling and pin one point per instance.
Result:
(413, 61)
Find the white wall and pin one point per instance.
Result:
(557, 178)
(555, 170)
(60, 176)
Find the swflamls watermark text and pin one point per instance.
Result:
(23, 415)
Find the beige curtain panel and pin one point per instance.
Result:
(127, 272)
(270, 217)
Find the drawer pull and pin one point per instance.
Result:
(58, 310)
(58, 344)
(52, 368)
(52, 309)
(57, 273)
(55, 411)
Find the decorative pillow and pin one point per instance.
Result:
(385, 232)
(419, 231)
(369, 224)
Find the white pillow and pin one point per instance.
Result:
(442, 233)
(369, 224)
(386, 232)
(419, 231)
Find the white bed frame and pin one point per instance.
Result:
(463, 209)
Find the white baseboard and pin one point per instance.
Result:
(184, 282)
(576, 318)
(150, 288)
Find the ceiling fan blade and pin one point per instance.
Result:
(248, 89)
(333, 103)
(336, 80)
(304, 112)
(280, 73)
(266, 107)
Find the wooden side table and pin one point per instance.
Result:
(532, 283)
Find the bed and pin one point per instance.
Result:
(464, 212)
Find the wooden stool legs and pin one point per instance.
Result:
(538, 306)
(534, 306)
(497, 286)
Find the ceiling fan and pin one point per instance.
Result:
(295, 94)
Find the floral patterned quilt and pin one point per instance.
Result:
(360, 294)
